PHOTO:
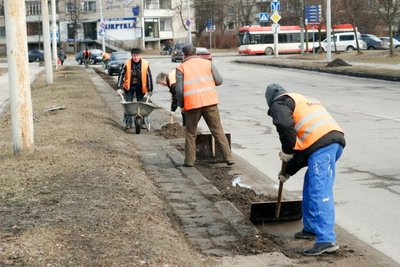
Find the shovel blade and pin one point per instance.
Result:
(265, 211)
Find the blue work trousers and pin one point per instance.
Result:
(318, 204)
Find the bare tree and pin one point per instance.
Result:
(245, 11)
(209, 9)
(353, 11)
(180, 10)
(390, 10)
(74, 10)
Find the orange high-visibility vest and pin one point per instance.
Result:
(198, 84)
(144, 66)
(106, 56)
(86, 53)
(312, 121)
(172, 78)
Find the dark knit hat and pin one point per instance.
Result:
(136, 51)
(189, 48)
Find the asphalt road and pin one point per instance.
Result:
(367, 190)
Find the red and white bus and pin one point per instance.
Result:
(257, 40)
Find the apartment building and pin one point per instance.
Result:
(126, 23)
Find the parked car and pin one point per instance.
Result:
(177, 53)
(96, 55)
(344, 41)
(396, 43)
(373, 42)
(203, 53)
(35, 55)
(117, 59)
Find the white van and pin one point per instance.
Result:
(344, 41)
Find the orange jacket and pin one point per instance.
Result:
(198, 84)
(106, 56)
(144, 66)
(312, 121)
(86, 54)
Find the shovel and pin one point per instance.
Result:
(276, 210)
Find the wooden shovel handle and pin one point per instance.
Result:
(279, 199)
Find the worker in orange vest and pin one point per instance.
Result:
(309, 137)
(196, 79)
(105, 59)
(135, 80)
(86, 57)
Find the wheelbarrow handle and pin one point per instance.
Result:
(279, 200)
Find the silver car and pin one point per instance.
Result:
(396, 43)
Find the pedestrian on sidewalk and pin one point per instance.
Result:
(196, 79)
(309, 137)
(135, 80)
(61, 56)
(169, 80)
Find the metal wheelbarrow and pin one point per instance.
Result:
(138, 114)
(279, 210)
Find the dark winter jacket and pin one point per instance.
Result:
(281, 109)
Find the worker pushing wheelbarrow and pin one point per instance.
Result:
(135, 80)
(137, 114)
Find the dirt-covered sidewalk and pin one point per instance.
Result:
(81, 199)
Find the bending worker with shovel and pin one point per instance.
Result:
(309, 137)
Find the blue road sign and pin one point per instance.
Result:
(263, 17)
(313, 13)
(275, 5)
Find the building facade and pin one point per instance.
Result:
(120, 24)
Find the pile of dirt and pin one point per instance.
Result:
(338, 62)
(172, 130)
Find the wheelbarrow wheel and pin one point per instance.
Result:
(138, 124)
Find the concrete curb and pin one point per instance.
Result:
(325, 70)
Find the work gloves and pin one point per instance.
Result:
(285, 157)
(120, 92)
(283, 177)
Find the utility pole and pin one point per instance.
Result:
(54, 31)
(302, 27)
(46, 42)
(328, 31)
(103, 45)
(18, 76)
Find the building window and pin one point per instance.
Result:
(2, 31)
(33, 8)
(33, 28)
(165, 25)
(89, 6)
(71, 32)
(165, 4)
(152, 4)
(90, 30)
(151, 28)
(231, 26)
